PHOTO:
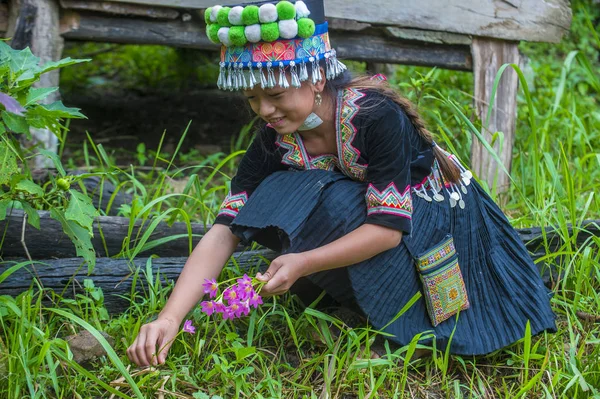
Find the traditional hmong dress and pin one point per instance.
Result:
(384, 173)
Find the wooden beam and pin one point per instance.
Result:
(488, 57)
(121, 9)
(367, 45)
(381, 49)
(84, 26)
(531, 20)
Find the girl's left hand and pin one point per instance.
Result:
(283, 273)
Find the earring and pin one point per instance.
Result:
(318, 99)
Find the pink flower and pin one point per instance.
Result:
(219, 306)
(255, 300)
(231, 294)
(245, 292)
(236, 309)
(244, 280)
(188, 327)
(208, 307)
(210, 287)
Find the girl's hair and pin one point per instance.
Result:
(449, 169)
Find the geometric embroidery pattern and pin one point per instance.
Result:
(437, 255)
(348, 154)
(297, 157)
(444, 288)
(445, 292)
(389, 201)
(232, 204)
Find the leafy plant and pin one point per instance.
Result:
(23, 110)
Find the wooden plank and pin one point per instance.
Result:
(114, 276)
(428, 36)
(83, 26)
(488, 57)
(367, 45)
(532, 20)
(121, 9)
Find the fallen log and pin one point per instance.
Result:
(115, 276)
(110, 232)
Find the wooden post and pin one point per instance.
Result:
(35, 24)
(488, 56)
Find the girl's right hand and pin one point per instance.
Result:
(154, 336)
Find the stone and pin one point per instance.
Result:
(85, 347)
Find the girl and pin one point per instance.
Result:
(346, 182)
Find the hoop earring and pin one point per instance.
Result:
(318, 99)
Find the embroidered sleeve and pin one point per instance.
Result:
(388, 195)
(261, 159)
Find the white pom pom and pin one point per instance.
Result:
(214, 12)
(235, 15)
(288, 29)
(224, 36)
(301, 10)
(267, 13)
(252, 33)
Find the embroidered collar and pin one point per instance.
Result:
(347, 155)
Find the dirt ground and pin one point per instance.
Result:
(124, 119)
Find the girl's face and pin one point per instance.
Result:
(284, 109)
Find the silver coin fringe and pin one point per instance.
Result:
(455, 191)
(241, 76)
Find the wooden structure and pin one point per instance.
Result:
(476, 35)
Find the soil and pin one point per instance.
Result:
(124, 119)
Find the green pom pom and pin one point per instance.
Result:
(212, 31)
(223, 16)
(237, 36)
(285, 10)
(306, 27)
(269, 32)
(207, 15)
(250, 15)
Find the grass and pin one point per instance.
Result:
(286, 350)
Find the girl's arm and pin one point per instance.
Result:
(206, 262)
(363, 243)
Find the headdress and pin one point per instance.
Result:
(271, 38)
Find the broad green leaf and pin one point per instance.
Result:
(8, 163)
(55, 160)
(59, 110)
(30, 187)
(17, 124)
(81, 210)
(4, 205)
(38, 93)
(33, 218)
(79, 236)
(50, 66)
(23, 61)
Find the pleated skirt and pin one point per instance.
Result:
(296, 211)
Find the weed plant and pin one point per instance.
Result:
(286, 350)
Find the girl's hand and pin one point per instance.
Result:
(153, 337)
(283, 273)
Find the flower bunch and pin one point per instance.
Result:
(236, 300)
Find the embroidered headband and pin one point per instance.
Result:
(270, 37)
